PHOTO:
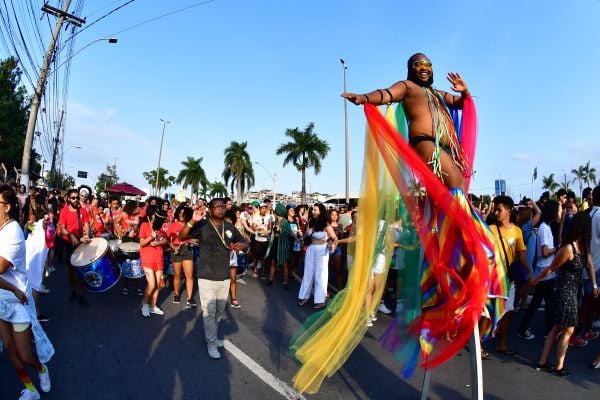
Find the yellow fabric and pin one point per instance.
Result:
(338, 330)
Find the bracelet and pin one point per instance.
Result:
(381, 94)
(595, 287)
(389, 94)
(366, 99)
(189, 225)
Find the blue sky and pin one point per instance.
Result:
(248, 70)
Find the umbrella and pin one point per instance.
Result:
(126, 188)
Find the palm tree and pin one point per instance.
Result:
(164, 179)
(580, 176)
(549, 183)
(565, 183)
(305, 150)
(238, 168)
(217, 189)
(192, 175)
(590, 174)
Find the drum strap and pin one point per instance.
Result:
(79, 225)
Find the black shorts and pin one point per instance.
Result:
(185, 254)
(259, 249)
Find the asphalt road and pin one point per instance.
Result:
(110, 351)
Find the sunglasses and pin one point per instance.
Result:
(420, 64)
(74, 198)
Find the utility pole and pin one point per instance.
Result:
(162, 136)
(346, 137)
(56, 141)
(39, 90)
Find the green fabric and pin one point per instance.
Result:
(285, 242)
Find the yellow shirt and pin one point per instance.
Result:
(513, 242)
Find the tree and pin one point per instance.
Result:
(238, 169)
(549, 183)
(580, 175)
(107, 178)
(217, 189)
(61, 181)
(565, 183)
(590, 174)
(14, 115)
(164, 181)
(192, 174)
(305, 151)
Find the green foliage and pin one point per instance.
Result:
(192, 175)
(305, 150)
(107, 178)
(14, 114)
(549, 183)
(217, 189)
(238, 169)
(165, 180)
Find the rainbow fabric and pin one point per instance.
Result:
(460, 279)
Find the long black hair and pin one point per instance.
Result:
(550, 211)
(581, 231)
(9, 195)
(319, 223)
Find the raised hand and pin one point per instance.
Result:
(353, 98)
(458, 83)
(198, 215)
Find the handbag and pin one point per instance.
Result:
(515, 271)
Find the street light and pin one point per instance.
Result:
(111, 40)
(165, 122)
(274, 177)
(346, 132)
(37, 96)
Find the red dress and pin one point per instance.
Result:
(151, 256)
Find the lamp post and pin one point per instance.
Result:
(346, 135)
(37, 95)
(273, 177)
(157, 186)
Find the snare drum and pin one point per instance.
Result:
(95, 265)
(132, 269)
(130, 250)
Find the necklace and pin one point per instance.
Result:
(220, 235)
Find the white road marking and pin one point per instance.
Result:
(268, 378)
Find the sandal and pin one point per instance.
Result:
(485, 355)
(302, 302)
(562, 373)
(319, 306)
(506, 352)
(544, 367)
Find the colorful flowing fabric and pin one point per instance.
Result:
(459, 276)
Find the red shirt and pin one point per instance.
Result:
(174, 228)
(150, 254)
(68, 218)
(98, 223)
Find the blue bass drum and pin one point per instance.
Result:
(95, 264)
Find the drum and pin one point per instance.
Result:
(95, 264)
(114, 245)
(130, 250)
(132, 269)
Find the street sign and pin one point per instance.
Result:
(82, 174)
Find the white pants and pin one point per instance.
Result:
(213, 299)
(316, 270)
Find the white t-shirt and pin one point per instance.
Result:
(544, 238)
(261, 222)
(12, 249)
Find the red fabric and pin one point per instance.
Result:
(151, 257)
(68, 219)
(468, 138)
(174, 228)
(457, 315)
(98, 223)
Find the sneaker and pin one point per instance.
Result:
(156, 310)
(544, 367)
(190, 303)
(72, 297)
(235, 304)
(373, 317)
(146, 310)
(83, 302)
(213, 352)
(43, 318)
(577, 341)
(596, 324)
(125, 291)
(139, 292)
(176, 299)
(562, 373)
(27, 394)
(43, 290)
(220, 343)
(45, 383)
(527, 335)
(369, 322)
(382, 308)
(590, 335)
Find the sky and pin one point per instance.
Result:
(248, 70)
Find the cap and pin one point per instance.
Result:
(263, 204)
(255, 203)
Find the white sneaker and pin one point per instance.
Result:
(146, 310)
(373, 317)
(369, 323)
(45, 383)
(26, 394)
(220, 343)
(156, 310)
(213, 352)
(382, 308)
